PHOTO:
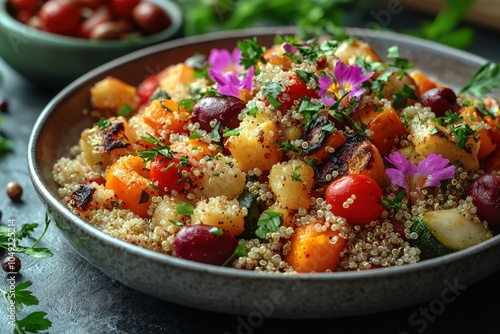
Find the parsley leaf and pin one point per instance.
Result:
(185, 209)
(483, 82)
(400, 63)
(396, 203)
(4, 143)
(161, 149)
(270, 221)
(401, 96)
(25, 231)
(251, 53)
(103, 123)
(22, 297)
(125, 110)
(33, 323)
(462, 133)
(161, 94)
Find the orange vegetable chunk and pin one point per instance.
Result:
(386, 127)
(129, 179)
(486, 144)
(314, 250)
(423, 82)
(166, 115)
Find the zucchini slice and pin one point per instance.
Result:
(442, 232)
(248, 200)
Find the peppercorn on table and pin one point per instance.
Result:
(78, 298)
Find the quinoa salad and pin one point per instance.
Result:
(316, 155)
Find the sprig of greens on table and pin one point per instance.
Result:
(4, 143)
(21, 296)
(314, 17)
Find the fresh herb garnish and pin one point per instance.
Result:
(152, 153)
(270, 221)
(103, 123)
(185, 209)
(396, 204)
(125, 110)
(482, 83)
(5, 144)
(21, 297)
(216, 231)
(462, 133)
(401, 97)
(296, 176)
(233, 132)
(251, 53)
(26, 231)
(160, 94)
(309, 109)
(272, 89)
(238, 251)
(401, 64)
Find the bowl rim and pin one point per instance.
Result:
(55, 204)
(172, 8)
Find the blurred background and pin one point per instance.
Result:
(451, 22)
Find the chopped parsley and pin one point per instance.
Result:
(482, 83)
(160, 94)
(5, 144)
(152, 153)
(185, 209)
(270, 221)
(296, 176)
(251, 53)
(125, 110)
(401, 97)
(272, 89)
(396, 204)
(103, 123)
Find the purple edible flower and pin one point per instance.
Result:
(348, 80)
(225, 71)
(429, 172)
(289, 48)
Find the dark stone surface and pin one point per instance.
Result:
(80, 299)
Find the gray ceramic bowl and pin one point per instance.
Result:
(53, 61)
(235, 291)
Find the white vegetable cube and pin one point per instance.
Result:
(292, 182)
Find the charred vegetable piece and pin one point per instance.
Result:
(82, 197)
(356, 156)
(321, 137)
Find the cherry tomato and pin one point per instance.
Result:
(294, 92)
(146, 89)
(24, 16)
(150, 18)
(60, 16)
(100, 15)
(27, 5)
(166, 173)
(356, 197)
(123, 8)
(92, 4)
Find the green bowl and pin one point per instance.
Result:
(53, 61)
